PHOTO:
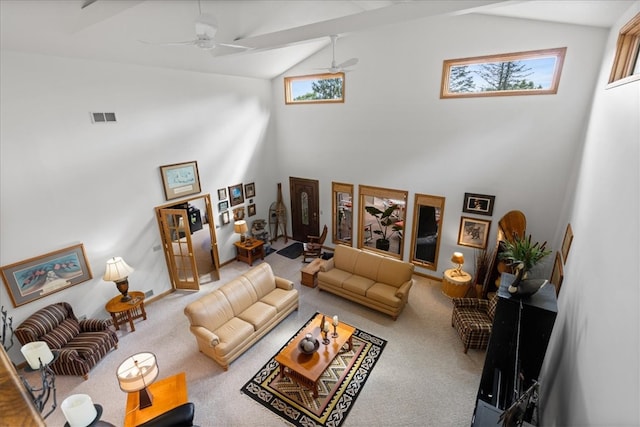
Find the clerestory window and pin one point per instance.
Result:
(315, 88)
(626, 64)
(535, 72)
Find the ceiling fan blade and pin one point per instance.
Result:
(235, 46)
(87, 3)
(185, 43)
(348, 63)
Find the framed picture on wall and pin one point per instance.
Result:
(43, 275)
(566, 242)
(223, 205)
(236, 195)
(224, 217)
(250, 190)
(180, 179)
(480, 204)
(473, 232)
(222, 193)
(251, 210)
(557, 273)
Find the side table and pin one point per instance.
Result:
(168, 393)
(455, 286)
(309, 274)
(128, 311)
(249, 252)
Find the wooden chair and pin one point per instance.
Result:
(313, 247)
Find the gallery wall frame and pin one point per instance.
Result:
(251, 210)
(223, 205)
(222, 193)
(557, 273)
(224, 217)
(250, 190)
(40, 276)
(474, 232)
(236, 194)
(479, 204)
(566, 242)
(180, 179)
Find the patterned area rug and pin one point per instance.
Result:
(338, 388)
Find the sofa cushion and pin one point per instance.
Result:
(258, 314)
(384, 294)
(394, 272)
(280, 299)
(89, 344)
(334, 277)
(262, 279)
(210, 311)
(345, 257)
(367, 265)
(357, 284)
(240, 293)
(231, 334)
(62, 334)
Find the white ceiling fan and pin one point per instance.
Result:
(206, 27)
(338, 68)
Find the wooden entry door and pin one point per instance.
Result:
(305, 208)
(178, 245)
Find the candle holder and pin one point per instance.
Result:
(335, 331)
(325, 340)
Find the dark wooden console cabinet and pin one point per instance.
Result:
(514, 343)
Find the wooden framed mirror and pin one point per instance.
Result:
(428, 212)
(381, 220)
(342, 203)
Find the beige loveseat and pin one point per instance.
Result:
(229, 320)
(378, 282)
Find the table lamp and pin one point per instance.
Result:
(79, 410)
(241, 228)
(136, 373)
(118, 271)
(457, 258)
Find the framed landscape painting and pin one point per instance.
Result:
(180, 179)
(473, 232)
(236, 195)
(40, 276)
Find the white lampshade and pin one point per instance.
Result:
(240, 227)
(137, 372)
(37, 351)
(116, 270)
(79, 410)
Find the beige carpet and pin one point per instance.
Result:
(422, 379)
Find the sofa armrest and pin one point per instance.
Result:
(282, 283)
(470, 303)
(67, 356)
(327, 265)
(206, 335)
(94, 325)
(403, 290)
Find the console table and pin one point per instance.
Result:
(128, 311)
(248, 252)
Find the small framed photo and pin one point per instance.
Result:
(557, 273)
(238, 213)
(223, 205)
(224, 217)
(473, 232)
(236, 195)
(251, 210)
(222, 193)
(480, 204)
(566, 242)
(250, 190)
(180, 179)
(40, 276)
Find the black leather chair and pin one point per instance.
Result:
(181, 416)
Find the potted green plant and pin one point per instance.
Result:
(523, 250)
(386, 225)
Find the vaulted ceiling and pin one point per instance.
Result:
(277, 33)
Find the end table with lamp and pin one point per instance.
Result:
(456, 282)
(127, 311)
(249, 250)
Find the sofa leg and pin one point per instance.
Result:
(86, 377)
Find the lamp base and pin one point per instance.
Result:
(146, 398)
(123, 287)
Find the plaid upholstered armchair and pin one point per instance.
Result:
(80, 344)
(473, 319)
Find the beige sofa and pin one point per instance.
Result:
(229, 320)
(372, 280)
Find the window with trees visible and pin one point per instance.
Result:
(626, 66)
(534, 72)
(316, 88)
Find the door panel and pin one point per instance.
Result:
(305, 211)
(179, 248)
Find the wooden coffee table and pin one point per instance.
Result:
(306, 369)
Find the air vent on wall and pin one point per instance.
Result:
(103, 117)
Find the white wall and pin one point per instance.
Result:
(394, 131)
(591, 374)
(65, 180)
